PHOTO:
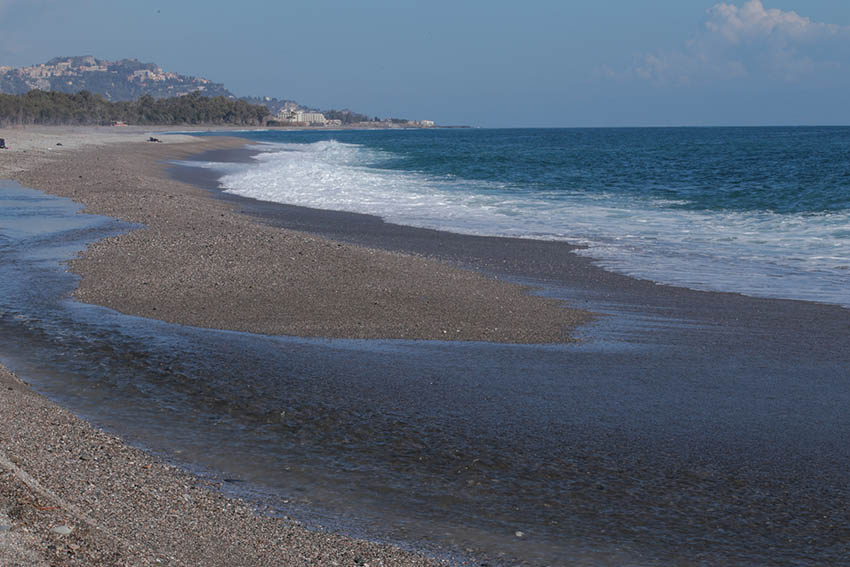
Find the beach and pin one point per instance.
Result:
(653, 423)
(71, 494)
(123, 506)
(196, 261)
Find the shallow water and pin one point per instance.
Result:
(661, 438)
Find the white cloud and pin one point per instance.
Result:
(752, 41)
(753, 20)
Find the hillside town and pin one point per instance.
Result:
(126, 79)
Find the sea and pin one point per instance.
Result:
(681, 429)
(758, 211)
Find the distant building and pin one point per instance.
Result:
(286, 115)
(426, 123)
(302, 117)
(311, 118)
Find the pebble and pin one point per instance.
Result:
(519, 534)
(61, 530)
(4, 528)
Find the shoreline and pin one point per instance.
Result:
(71, 494)
(754, 352)
(119, 505)
(545, 263)
(199, 263)
(40, 164)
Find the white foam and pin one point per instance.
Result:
(800, 256)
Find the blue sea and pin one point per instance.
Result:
(759, 211)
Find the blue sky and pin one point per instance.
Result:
(484, 63)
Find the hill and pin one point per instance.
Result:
(123, 80)
(128, 80)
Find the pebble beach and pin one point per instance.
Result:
(71, 494)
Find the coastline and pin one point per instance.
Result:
(698, 357)
(124, 506)
(543, 263)
(197, 262)
(126, 509)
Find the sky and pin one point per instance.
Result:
(494, 63)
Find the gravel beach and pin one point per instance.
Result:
(71, 494)
(197, 262)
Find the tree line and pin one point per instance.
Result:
(85, 108)
(345, 116)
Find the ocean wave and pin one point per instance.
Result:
(761, 253)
